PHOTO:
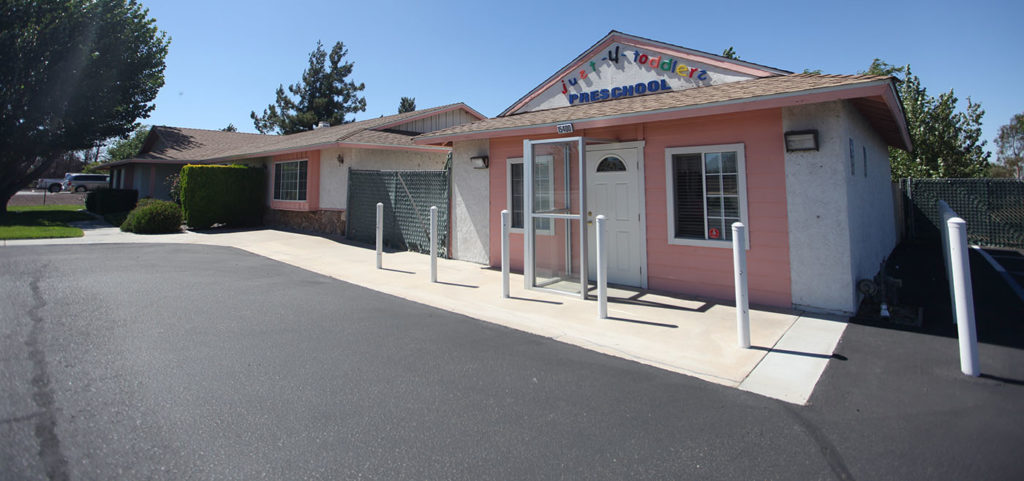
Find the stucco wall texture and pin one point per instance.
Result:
(841, 223)
(470, 219)
(869, 200)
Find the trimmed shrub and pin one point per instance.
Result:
(105, 201)
(222, 194)
(156, 217)
(147, 201)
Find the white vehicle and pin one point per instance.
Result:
(84, 182)
(52, 185)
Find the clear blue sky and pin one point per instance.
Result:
(228, 57)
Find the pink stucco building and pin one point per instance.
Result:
(673, 145)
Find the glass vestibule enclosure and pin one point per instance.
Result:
(554, 204)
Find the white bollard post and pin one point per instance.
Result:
(739, 262)
(505, 225)
(433, 243)
(960, 265)
(380, 234)
(602, 268)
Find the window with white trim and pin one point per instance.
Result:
(543, 195)
(290, 180)
(706, 187)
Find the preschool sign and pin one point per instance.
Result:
(625, 71)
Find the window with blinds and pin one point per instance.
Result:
(689, 198)
(705, 193)
(516, 187)
(290, 180)
(543, 195)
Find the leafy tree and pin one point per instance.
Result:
(323, 95)
(1010, 146)
(230, 128)
(128, 146)
(730, 53)
(63, 163)
(91, 158)
(408, 104)
(73, 73)
(816, 71)
(947, 140)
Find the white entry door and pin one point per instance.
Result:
(614, 190)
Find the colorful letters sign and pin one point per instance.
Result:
(639, 60)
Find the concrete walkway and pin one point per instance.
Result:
(692, 337)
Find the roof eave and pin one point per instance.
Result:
(321, 146)
(118, 163)
(892, 99)
(430, 113)
(875, 88)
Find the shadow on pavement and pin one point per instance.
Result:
(924, 303)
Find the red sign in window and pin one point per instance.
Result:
(714, 233)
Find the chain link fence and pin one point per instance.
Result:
(407, 196)
(992, 208)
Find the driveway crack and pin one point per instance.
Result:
(50, 453)
(828, 450)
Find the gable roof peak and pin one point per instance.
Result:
(741, 67)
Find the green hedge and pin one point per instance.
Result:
(222, 194)
(106, 201)
(154, 217)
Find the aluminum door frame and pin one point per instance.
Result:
(529, 216)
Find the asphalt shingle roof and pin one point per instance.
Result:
(747, 89)
(184, 145)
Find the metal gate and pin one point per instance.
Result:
(992, 208)
(407, 196)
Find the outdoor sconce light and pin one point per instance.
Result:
(801, 140)
(340, 159)
(479, 162)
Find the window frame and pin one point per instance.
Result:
(670, 193)
(508, 192)
(273, 184)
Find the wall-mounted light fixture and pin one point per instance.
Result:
(479, 162)
(801, 140)
(340, 159)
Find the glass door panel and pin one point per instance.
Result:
(554, 203)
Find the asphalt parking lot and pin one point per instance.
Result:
(178, 361)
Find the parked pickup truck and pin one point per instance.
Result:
(52, 185)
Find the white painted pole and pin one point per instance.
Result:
(433, 243)
(964, 296)
(505, 225)
(602, 268)
(739, 262)
(380, 234)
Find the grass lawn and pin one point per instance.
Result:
(41, 221)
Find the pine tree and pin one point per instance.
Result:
(323, 95)
(408, 104)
